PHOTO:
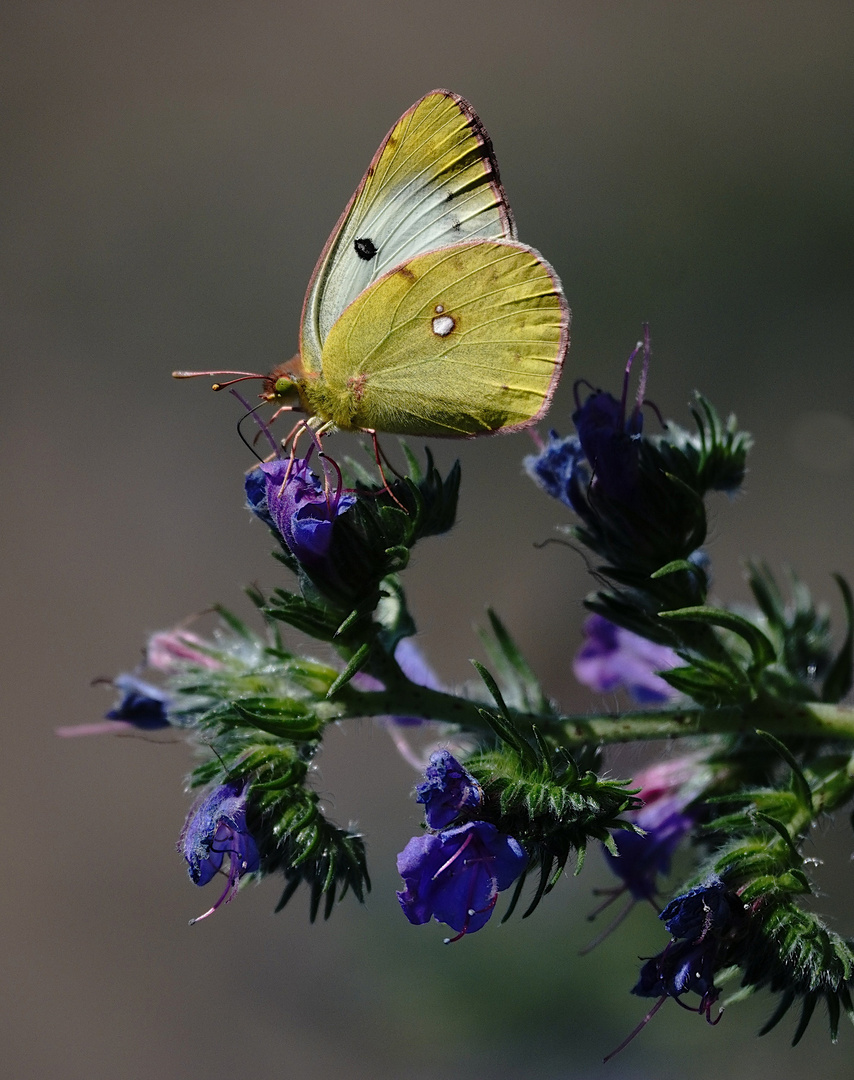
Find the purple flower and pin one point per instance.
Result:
(601, 460)
(173, 650)
(142, 707)
(141, 704)
(561, 470)
(414, 666)
(700, 921)
(683, 967)
(616, 659)
(447, 790)
(456, 876)
(216, 827)
(705, 910)
(287, 495)
(643, 858)
(667, 789)
(610, 441)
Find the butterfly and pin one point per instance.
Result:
(424, 314)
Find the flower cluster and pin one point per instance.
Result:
(759, 695)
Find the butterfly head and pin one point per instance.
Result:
(282, 385)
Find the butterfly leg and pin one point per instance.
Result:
(380, 457)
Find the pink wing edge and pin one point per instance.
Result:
(563, 349)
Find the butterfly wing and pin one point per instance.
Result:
(433, 182)
(466, 340)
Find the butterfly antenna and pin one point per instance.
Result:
(242, 376)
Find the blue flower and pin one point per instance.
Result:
(705, 910)
(560, 469)
(668, 789)
(701, 921)
(683, 967)
(643, 858)
(288, 496)
(447, 790)
(601, 461)
(611, 443)
(639, 498)
(616, 659)
(456, 876)
(216, 827)
(141, 704)
(142, 707)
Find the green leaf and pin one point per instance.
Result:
(678, 566)
(767, 594)
(506, 655)
(356, 663)
(800, 784)
(783, 832)
(710, 682)
(838, 680)
(311, 619)
(810, 1002)
(233, 623)
(762, 649)
(284, 717)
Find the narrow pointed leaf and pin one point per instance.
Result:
(838, 681)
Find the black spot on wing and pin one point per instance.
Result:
(365, 248)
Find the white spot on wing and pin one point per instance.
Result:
(443, 325)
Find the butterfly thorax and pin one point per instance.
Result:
(334, 405)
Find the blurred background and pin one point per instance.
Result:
(170, 172)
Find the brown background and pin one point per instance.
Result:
(169, 174)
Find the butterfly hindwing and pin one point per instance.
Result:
(461, 341)
(433, 182)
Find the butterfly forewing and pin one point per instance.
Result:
(463, 341)
(433, 182)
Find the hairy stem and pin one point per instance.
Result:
(804, 719)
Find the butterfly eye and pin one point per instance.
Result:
(283, 389)
(365, 248)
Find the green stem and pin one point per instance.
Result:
(804, 719)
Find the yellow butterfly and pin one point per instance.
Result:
(424, 316)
